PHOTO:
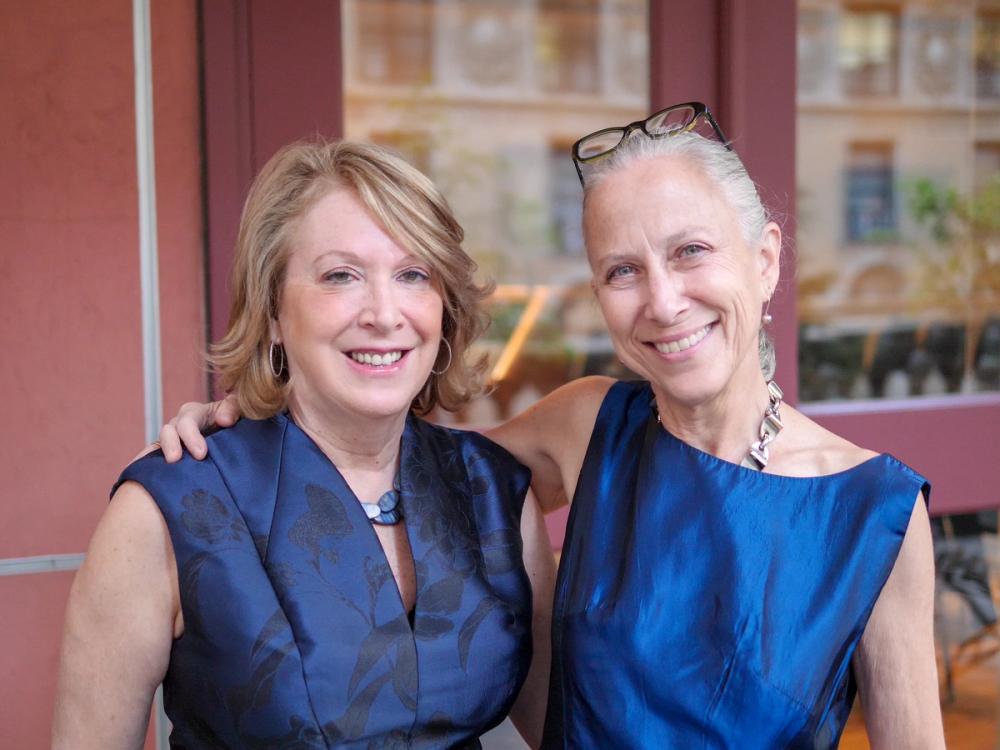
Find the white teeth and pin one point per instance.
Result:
(377, 360)
(680, 345)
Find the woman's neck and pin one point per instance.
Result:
(724, 425)
(356, 444)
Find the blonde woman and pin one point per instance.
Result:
(340, 573)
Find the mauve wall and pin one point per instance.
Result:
(71, 369)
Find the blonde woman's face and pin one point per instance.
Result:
(360, 316)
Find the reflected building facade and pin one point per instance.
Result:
(898, 174)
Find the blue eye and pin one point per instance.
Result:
(689, 251)
(622, 271)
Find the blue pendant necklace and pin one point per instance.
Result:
(387, 511)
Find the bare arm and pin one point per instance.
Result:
(895, 664)
(122, 616)
(528, 712)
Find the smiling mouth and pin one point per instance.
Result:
(377, 359)
(672, 347)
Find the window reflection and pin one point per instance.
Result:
(987, 54)
(869, 51)
(395, 41)
(567, 47)
(871, 210)
(898, 174)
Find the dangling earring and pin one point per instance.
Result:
(766, 318)
(444, 369)
(279, 368)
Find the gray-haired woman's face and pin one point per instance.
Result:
(680, 287)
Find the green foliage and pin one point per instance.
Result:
(962, 263)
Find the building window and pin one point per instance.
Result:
(395, 41)
(565, 202)
(987, 55)
(869, 52)
(567, 46)
(870, 199)
(986, 166)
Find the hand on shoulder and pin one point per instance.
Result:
(192, 419)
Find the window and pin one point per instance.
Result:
(986, 165)
(565, 202)
(394, 41)
(987, 55)
(869, 52)
(870, 199)
(567, 46)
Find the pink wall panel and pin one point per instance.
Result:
(31, 630)
(70, 324)
(71, 374)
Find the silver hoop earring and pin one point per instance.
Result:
(444, 369)
(276, 369)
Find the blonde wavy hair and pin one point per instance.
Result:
(409, 208)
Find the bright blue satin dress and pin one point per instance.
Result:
(701, 604)
(295, 636)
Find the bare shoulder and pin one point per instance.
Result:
(805, 448)
(577, 399)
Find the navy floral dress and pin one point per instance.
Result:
(295, 635)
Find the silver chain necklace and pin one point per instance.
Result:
(770, 426)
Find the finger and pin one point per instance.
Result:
(227, 411)
(170, 444)
(189, 432)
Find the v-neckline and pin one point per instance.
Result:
(358, 518)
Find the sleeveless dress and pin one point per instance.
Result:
(700, 604)
(295, 635)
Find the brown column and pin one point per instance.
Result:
(272, 74)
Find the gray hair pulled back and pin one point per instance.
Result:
(722, 166)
